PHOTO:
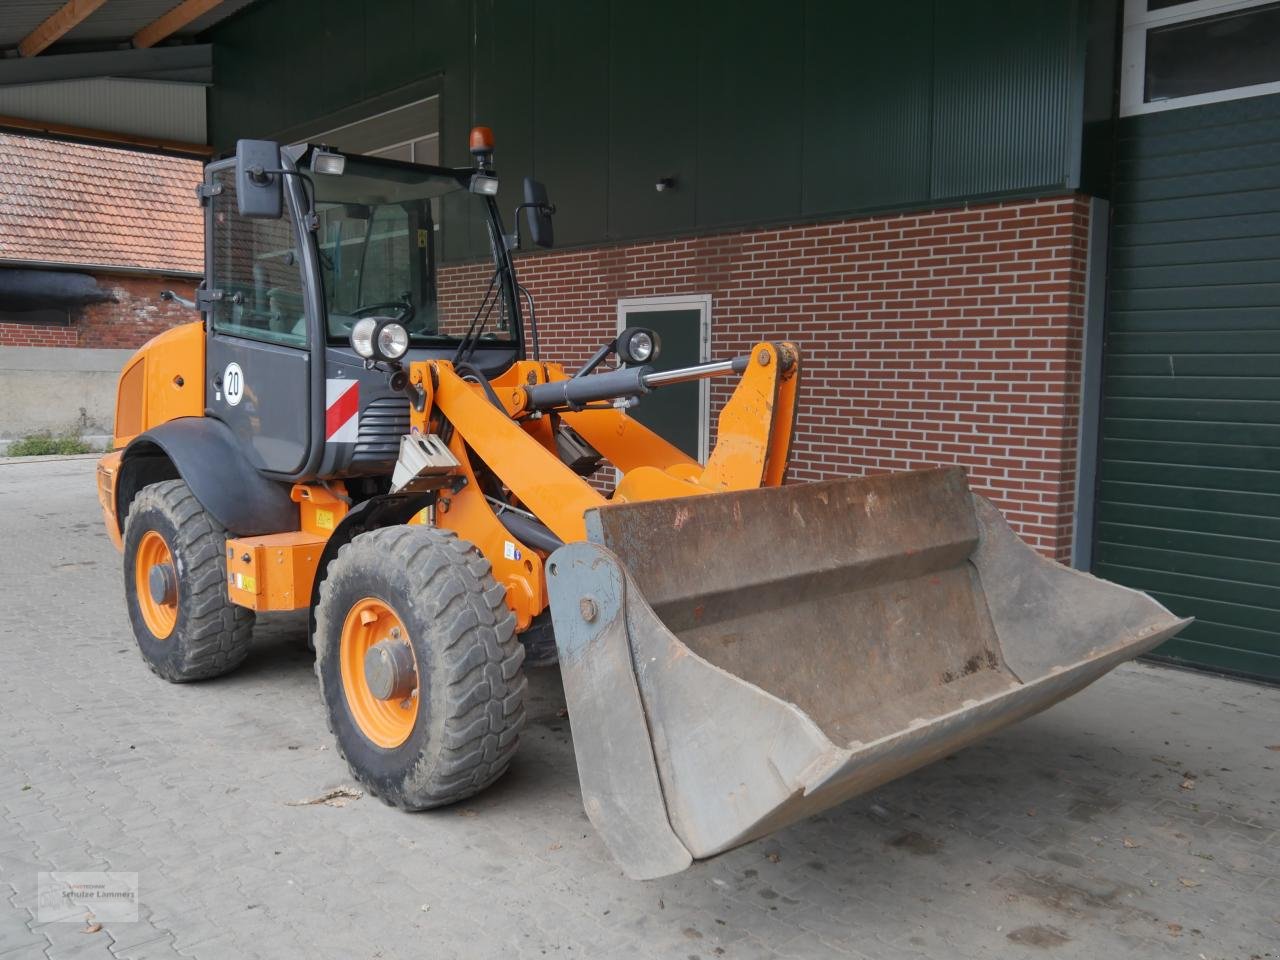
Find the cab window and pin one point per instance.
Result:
(256, 270)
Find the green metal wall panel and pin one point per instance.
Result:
(442, 33)
(653, 119)
(1003, 68)
(251, 85)
(1189, 495)
(762, 112)
(570, 117)
(502, 88)
(336, 57)
(389, 43)
(871, 64)
(750, 85)
(442, 45)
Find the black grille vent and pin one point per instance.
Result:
(382, 423)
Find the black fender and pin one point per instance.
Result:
(208, 456)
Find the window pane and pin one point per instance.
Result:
(378, 240)
(402, 152)
(43, 316)
(427, 150)
(1216, 53)
(255, 264)
(386, 260)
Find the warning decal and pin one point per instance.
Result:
(342, 411)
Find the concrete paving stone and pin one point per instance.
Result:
(161, 949)
(26, 952)
(198, 928)
(38, 822)
(26, 803)
(15, 932)
(752, 948)
(72, 941)
(923, 867)
(128, 935)
(808, 945)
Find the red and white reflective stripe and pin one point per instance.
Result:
(341, 411)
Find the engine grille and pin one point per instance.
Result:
(382, 423)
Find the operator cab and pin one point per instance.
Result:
(306, 247)
(416, 245)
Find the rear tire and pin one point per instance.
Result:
(457, 731)
(199, 633)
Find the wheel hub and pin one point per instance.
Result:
(389, 670)
(155, 582)
(162, 583)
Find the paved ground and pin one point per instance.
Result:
(1141, 818)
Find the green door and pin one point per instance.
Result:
(675, 412)
(1189, 468)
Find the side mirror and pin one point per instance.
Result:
(259, 189)
(540, 210)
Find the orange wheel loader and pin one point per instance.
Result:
(361, 425)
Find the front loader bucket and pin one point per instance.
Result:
(735, 662)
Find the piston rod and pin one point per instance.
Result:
(700, 371)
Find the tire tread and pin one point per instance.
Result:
(217, 634)
(478, 653)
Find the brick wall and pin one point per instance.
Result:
(950, 337)
(37, 335)
(136, 316)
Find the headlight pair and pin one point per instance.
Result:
(379, 338)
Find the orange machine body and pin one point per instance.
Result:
(277, 571)
(164, 380)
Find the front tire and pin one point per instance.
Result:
(175, 585)
(444, 722)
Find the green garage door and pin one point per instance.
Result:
(1189, 497)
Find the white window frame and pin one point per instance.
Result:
(1133, 58)
(628, 306)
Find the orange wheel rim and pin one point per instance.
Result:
(386, 723)
(160, 616)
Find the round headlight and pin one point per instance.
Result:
(641, 346)
(362, 336)
(637, 345)
(392, 341)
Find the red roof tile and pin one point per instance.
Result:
(75, 203)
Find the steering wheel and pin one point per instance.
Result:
(403, 311)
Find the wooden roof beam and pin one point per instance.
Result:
(173, 21)
(63, 19)
(110, 138)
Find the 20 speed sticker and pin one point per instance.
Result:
(233, 384)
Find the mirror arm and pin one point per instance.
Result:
(310, 220)
(514, 237)
(173, 297)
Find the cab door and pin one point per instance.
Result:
(258, 349)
